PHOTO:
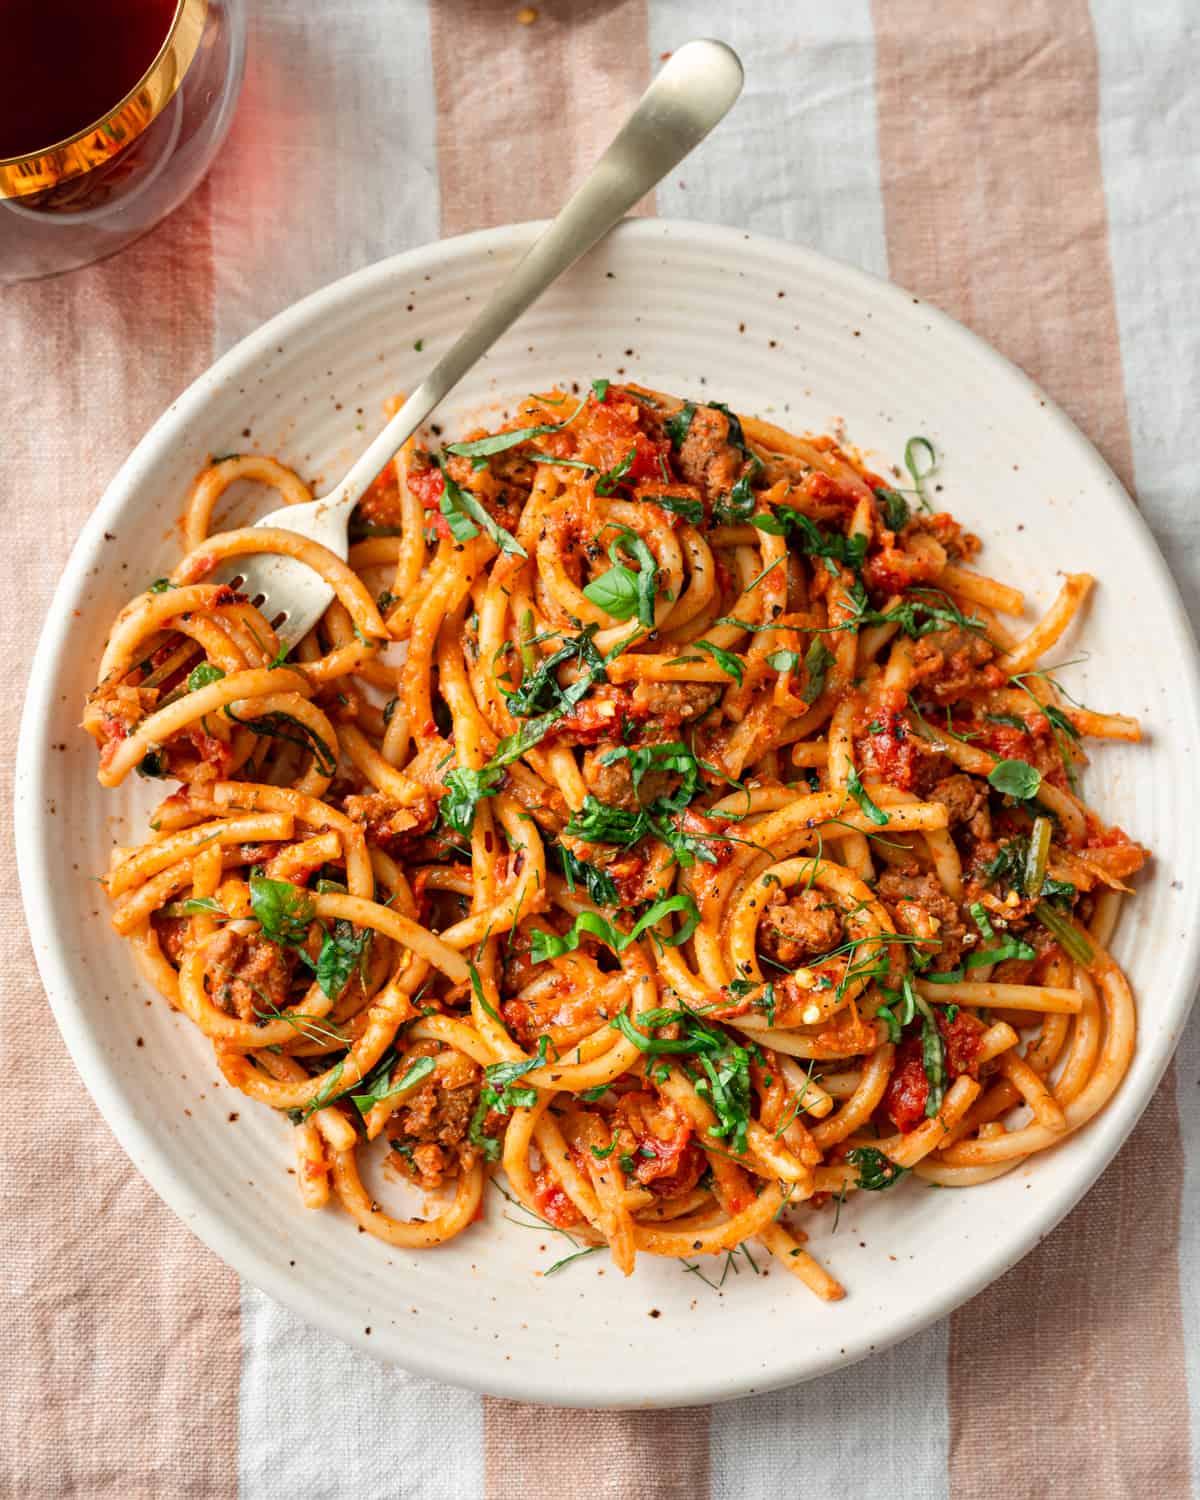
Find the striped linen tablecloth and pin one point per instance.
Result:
(1031, 168)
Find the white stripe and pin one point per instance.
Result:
(798, 157)
(332, 160)
(331, 164)
(1150, 143)
(319, 1421)
(878, 1428)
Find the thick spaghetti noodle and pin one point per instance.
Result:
(663, 813)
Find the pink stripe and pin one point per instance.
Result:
(127, 1381)
(523, 111)
(995, 210)
(644, 1455)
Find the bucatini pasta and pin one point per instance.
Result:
(664, 814)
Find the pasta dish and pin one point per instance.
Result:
(665, 815)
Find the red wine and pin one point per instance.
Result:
(65, 64)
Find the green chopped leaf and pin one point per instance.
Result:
(378, 1086)
(499, 442)
(343, 949)
(455, 502)
(196, 906)
(875, 1170)
(981, 920)
(465, 789)
(1065, 933)
(161, 585)
(623, 592)
(1015, 778)
(817, 661)
(692, 511)
(678, 425)
(860, 794)
(284, 726)
(921, 461)
(600, 389)
(563, 463)
(202, 675)
(895, 508)
(736, 508)
(596, 882)
(785, 661)
(500, 1075)
(607, 482)
(1009, 948)
(728, 661)
(547, 945)
(281, 909)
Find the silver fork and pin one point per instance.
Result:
(692, 93)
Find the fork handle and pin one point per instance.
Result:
(691, 94)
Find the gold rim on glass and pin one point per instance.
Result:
(98, 143)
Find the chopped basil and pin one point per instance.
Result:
(498, 442)
(692, 511)
(875, 1170)
(895, 508)
(378, 1086)
(202, 675)
(860, 794)
(547, 945)
(678, 424)
(623, 592)
(817, 661)
(921, 461)
(1015, 778)
(596, 882)
(609, 481)
(456, 501)
(728, 662)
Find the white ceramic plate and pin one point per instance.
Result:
(701, 311)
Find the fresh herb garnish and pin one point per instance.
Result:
(678, 425)
(284, 726)
(921, 461)
(202, 675)
(343, 950)
(459, 506)
(895, 508)
(725, 1081)
(728, 662)
(546, 945)
(736, 508)
(692, 511)
(281, 909)
(875, 1170)
(498, 442)
(860, 794)
(196, 906)
(607, 482)
(1015, 778)
(817, 661)
(598, 883)
(378, 1086)
(623, 592)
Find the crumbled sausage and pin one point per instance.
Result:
(388, 824)
(251, 976)
(707, 458)
(801, 926)
(921, 908)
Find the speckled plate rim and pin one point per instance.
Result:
(150, 1155)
